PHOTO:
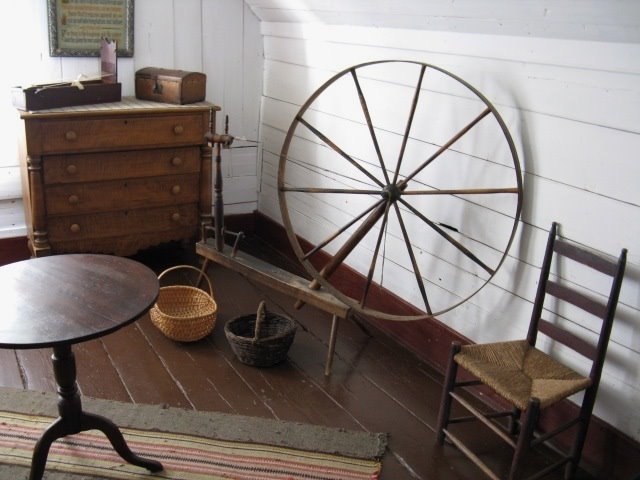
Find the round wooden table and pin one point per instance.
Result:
(61, 300)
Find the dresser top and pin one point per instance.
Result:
(127, 104)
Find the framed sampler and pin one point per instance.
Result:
(77, 26)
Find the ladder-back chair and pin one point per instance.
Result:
(529, 379)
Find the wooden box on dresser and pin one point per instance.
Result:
(116, 178)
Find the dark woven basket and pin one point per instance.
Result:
(262, 343)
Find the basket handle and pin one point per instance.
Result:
(201, 272)
(260, 315)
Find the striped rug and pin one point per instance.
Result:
(184, 457)
(191, 445)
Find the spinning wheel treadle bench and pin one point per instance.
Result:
(281, 281)
(428, 197)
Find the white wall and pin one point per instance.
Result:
(564, 75)
(218, 37)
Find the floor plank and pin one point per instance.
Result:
(147, 380)
(36, 369)
(97, 376)
(10, 371)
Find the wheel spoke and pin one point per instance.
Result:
(449, 238)
(374, 259)
(352, 242)
(414, 263)
(339, 232)
(446, 146)
(414, 104)
(462, 191)
(348, 191)
(338, 150)
(367, 116)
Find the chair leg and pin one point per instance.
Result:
(445, 402)
(581, 435)
(513, 421)
(527, 428)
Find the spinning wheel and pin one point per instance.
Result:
(407, 174)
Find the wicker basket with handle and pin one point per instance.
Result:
(184, 313)
(261, 339)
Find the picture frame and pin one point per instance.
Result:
(77, 26)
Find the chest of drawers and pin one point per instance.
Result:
(116, 178)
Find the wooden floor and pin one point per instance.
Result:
(375, 385)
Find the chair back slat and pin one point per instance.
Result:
(567, 338)
(557, 247)
(576, 298)
(585, 257)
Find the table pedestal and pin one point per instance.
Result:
(73, 420)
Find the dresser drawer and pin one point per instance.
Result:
(118, 132)
(121, 194)
(89, 167)
(126, 222)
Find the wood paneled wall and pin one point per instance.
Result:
(218, 37)
(572, 103)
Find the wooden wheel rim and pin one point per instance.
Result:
(298, 120)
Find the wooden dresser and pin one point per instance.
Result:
(116, 178)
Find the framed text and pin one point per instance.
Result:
(77, 26)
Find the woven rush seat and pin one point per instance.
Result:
(517, 371)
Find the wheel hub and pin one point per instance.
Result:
(391, 192)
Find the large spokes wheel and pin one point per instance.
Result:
(407, 175)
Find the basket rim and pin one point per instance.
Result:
(213, 306)
(290, 329)
(191, 317)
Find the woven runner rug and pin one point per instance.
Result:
(190, 445)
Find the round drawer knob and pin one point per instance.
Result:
(178, 129)
(176, 161)
(72, 169)
(175, 217)
(175, 189)
(71, 135)
(73, 199)
(74, 228)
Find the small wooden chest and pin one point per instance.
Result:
(170, 86)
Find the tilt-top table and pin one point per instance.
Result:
(61, 300)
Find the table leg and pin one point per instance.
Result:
(92, 421)
(41, 451)
(73, 420)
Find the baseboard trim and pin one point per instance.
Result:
(13, 249)
(608, 453)
(242, 222)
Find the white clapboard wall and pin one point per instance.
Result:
(565, 77)
(218, 37)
